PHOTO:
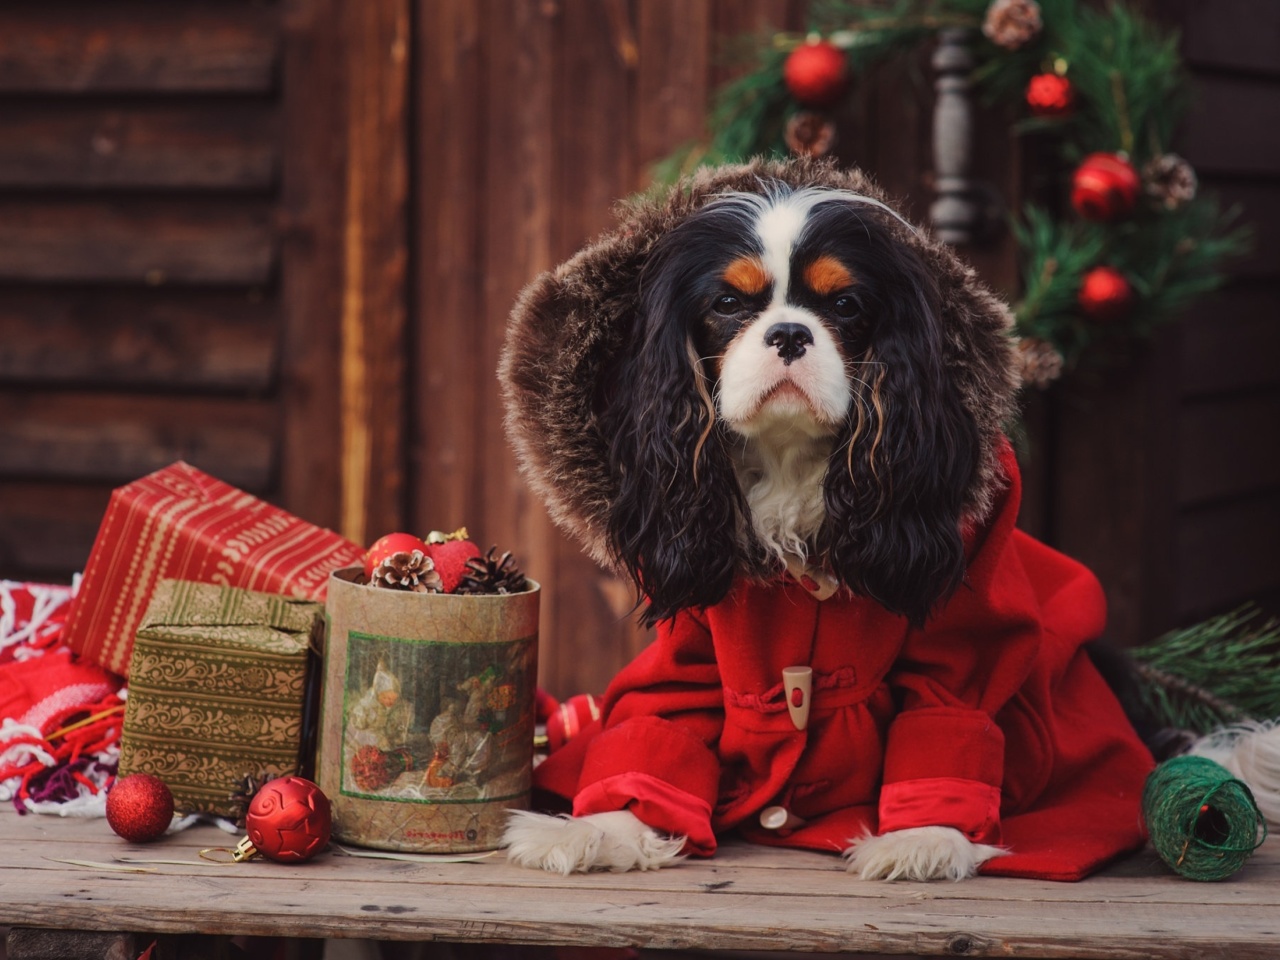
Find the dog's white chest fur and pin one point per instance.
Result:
(781, 471)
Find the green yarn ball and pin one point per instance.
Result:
(1203, 822)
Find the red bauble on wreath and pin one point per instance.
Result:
(1105, 294)
(139, 807)
(1050, 95)
(1105, 187)
(289, 820)
(816, 73)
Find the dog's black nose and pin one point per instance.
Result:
(790, 339)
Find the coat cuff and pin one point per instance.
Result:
(660, 772)
(969, 806)
(944, 767)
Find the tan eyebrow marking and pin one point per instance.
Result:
(826, 275)
(747, 274)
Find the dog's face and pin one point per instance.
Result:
(787, 393)
(781, 328)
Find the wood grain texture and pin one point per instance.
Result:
(85, 145)
(134, 47)
(118, 438)
(50, 534)
(448, 272)
(156, 339)
(143, 242)
(310, 211)
(1225, 555)
(1221, 449)
(1212, 359)
(743, 899)
(375, 263)
(1237, 35)
(527, 135)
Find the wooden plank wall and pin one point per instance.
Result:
(1167, 474)
(280, 239)
(167, 273)
(532, 120)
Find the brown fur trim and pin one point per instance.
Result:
(570, 323)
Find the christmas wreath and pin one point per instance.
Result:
(1135, 242)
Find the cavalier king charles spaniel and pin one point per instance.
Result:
(777, 408)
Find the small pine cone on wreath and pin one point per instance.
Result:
(1039, 361)
(1012, 24)
(1170, 180)
(810, 134)
(409, 570)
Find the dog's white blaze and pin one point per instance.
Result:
(778, 228)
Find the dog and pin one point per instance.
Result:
(777, 408)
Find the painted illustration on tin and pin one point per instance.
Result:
(437, 722)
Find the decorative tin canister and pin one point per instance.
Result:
(426, 735)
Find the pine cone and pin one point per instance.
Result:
(407, 570)
(1012, 23)
(1041, 362)
(810, 134)
(486, 575)
(1170, 179)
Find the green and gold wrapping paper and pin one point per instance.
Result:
(216, 691)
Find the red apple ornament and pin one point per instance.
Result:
(289, 820)
(816, 73)
(450, 553)
(139, 807)
(1050, 95)
(384, 547)
(1105, 295)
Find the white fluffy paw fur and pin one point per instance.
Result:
(920, 853)
(615, 841)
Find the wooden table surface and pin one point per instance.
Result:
(746, 898)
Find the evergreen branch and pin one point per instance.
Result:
(1232, 659)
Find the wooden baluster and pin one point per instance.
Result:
(956, 211)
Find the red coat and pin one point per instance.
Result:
(991, 719)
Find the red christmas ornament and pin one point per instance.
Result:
(1105, 187)
(450, 558)
(384, 547)
(139, 807)
(1050, 95)
(816, 73)
(568, 719)
(1105, 294)
(289, 820)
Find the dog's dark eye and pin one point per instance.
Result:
(727, 306)
(846, 308)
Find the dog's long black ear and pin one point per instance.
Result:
(897, 484)
(676, 519)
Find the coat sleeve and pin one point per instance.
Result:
(945, 755)
(662, 719)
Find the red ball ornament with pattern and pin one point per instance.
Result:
(1105, 295)
(139, 807)
(1050, 95)
(289, 820)
(1105, 187)
(816, 73)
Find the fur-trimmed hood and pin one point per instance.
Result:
(570, 324)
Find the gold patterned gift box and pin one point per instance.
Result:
(217, 691)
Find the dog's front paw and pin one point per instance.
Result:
(614, 841)
(920, 853)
